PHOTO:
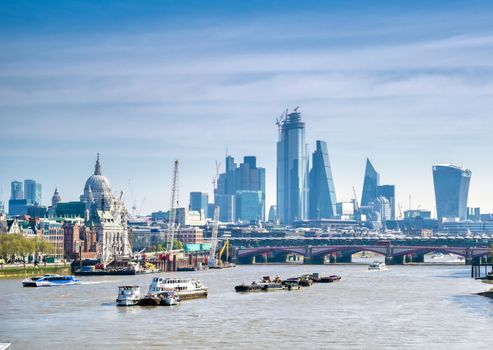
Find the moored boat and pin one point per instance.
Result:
(265, 285)
(185, 288)
(50, 281)
(128, 296)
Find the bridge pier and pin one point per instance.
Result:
(313, 260)
(394, 260)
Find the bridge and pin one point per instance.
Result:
(340, 250)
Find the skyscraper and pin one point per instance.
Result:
(199, 201)
(248, 205)
(245, 177)
(32, 191)
(388, 192)
(292, 170)
(451, 190)
(16, 191)
(370, 184)
(322, 191)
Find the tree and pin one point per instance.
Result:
(177, 244)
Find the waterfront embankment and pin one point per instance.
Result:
(8, 271)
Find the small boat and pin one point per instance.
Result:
(128, 296)
(377, 266)
(50, 281)
(265, 285)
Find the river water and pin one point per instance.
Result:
(406, 307)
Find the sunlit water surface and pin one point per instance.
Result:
(406, 307)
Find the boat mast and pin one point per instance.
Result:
(172, 210)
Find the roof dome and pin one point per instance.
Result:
(97, 184)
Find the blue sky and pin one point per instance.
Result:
(407, 84)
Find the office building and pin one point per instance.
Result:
(32, 192)
(248, 205)
(388, 192)
(199, 201)
(273, 214)
(322, 192)
(451, 191)
(17, 207)
(370, 184)
(292, 169)
(246, 176)
(16, 191)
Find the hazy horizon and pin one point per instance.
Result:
(407, 85)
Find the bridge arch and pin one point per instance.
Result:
(426, 250)
(351, 249)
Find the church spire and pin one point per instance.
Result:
(97, 169)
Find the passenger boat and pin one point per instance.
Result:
(377, 266)
(128, 296)
(265, 285)
(184, 288)
(166, 298)
(50, 281)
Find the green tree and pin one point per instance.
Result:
(177, 244)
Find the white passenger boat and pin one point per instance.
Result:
(50, 281)
(128, 296)
(377, 266)
(185, 288)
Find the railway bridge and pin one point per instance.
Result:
(320, 251)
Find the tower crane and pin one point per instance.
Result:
(212, 253)
(356, 206)
(172, 210)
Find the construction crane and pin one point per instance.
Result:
(172, 210)
(356, 206)
(225, 247)
(212, 253)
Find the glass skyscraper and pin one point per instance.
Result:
(292, 170)
(32, 192)
(322, 191)
(199, 201)
(388, 192)
(451, 190)
(16, 191)
(248, 205)
(245, 177)
(370, 184)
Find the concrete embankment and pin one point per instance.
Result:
(21, 271)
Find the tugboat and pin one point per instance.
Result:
(50, 281)
(128, 296)
(265, 285)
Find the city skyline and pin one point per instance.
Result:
(171, 98)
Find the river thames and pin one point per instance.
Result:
(406, 307)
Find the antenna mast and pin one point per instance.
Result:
(172, 210)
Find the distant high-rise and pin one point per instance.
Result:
(199, 201)
(248, 205)
(388, 192)
(322, 191)
(273, 214)
(451, 191)
(16, 191)
(370, 184)
(292, 170)
(245, 177)
(32, 192)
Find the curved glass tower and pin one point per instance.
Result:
(322, 191)
(451, 190)
(292, 170)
